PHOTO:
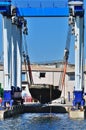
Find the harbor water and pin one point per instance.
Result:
(41, 121)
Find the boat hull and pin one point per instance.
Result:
(45, 94)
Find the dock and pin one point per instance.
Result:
(34, 108)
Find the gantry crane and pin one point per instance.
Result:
(12, 20)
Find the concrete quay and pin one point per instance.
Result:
(13, 111)
(39, 108)
(33, 108)
(56, 108)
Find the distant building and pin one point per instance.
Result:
(51, 74)
(48, 74)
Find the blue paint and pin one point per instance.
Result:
(43, 12)
(40, 11)
(2, 10)
(7, 94)
(4, 3)
(5, 6)
(78, 98)
(40, 3)
(75, 0)
(7, 98)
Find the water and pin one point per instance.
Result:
(42, 122)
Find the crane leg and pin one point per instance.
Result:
(77, 12)
(78, 101)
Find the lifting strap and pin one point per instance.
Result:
(27, 62)
(65, 59)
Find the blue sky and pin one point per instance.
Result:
(47, 39)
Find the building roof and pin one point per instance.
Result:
(48, 68)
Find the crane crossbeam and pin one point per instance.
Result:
(43, 12)
(40, 4)
(36, 8)
(42, 8)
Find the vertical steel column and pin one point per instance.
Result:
(19, 55)
(82, 51)
(7, 55)
(14, 55)
(79, 53)
(78, 75)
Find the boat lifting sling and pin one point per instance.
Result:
(65, 59)
(26, 57)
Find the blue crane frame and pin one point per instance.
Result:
(39, 12)
(35, 11)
